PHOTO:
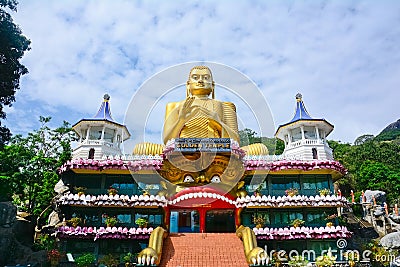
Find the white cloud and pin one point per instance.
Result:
(342, 55)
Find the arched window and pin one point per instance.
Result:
(91, 153)
(314, 153)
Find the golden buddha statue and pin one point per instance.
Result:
(200, 116)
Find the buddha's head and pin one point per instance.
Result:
(200, 82)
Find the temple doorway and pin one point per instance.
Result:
(220, 221)
(184, 221)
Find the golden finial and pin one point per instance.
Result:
(299, 97)
(106, 97)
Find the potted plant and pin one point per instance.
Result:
(351, 257)
(80, 190)
(378, 253)
(278, 258)
(297, 261)
(259, 220)
(129, 259)
(54, 257)
(291, 192)
(142, 222)
(109, 261)
(110, 221)
(297, 223)
(112, 191)
(257, 192)
(330, 219)
(85, 260)
(326, 260)
(145, 192)
(75, 221)
(324, 192)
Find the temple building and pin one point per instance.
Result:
(118, 204)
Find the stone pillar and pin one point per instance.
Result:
(88, 133)
(202, 214)
(102, 133)
(317, 132)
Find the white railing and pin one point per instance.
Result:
(99, 142)
(274, 157)
(307, 142)
(128, 157)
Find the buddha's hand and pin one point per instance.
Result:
(186, 108)
(211, 114)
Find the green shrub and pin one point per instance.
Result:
(85, 260)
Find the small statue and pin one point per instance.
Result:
(352, 196)
(374, 200)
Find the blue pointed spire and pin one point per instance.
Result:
(301, 111)
(104, 112)
(301, 115)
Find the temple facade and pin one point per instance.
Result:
(119, 204)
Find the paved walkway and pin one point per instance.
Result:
(203, 250)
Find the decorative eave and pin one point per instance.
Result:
(95, 233)
(154, 163)
(333, 232)
(107, 165)
(137, 201)
(298, 201)
(321, 123)
(83, 122)
(296, 166)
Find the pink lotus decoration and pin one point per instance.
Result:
(103, 233)
(112, 200)
(287, 233)
(154, 163)
(263, 164)
(291, 201)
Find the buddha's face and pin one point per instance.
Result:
(200, 82)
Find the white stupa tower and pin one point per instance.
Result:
(304, 136)
(99, 136)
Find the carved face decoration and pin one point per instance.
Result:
(200, 82)
(222, 174)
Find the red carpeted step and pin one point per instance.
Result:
(203, 250)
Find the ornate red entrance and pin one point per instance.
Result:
(207, 201)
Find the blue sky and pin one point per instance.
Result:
(343, 56)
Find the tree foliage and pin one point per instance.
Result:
(12, 47)
(29, 164)
(363, 138)
(371, 165)
(274, 145)
(388, 135)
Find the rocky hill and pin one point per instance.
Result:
(391, 132)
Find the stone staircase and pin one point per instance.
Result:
(203, 250)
